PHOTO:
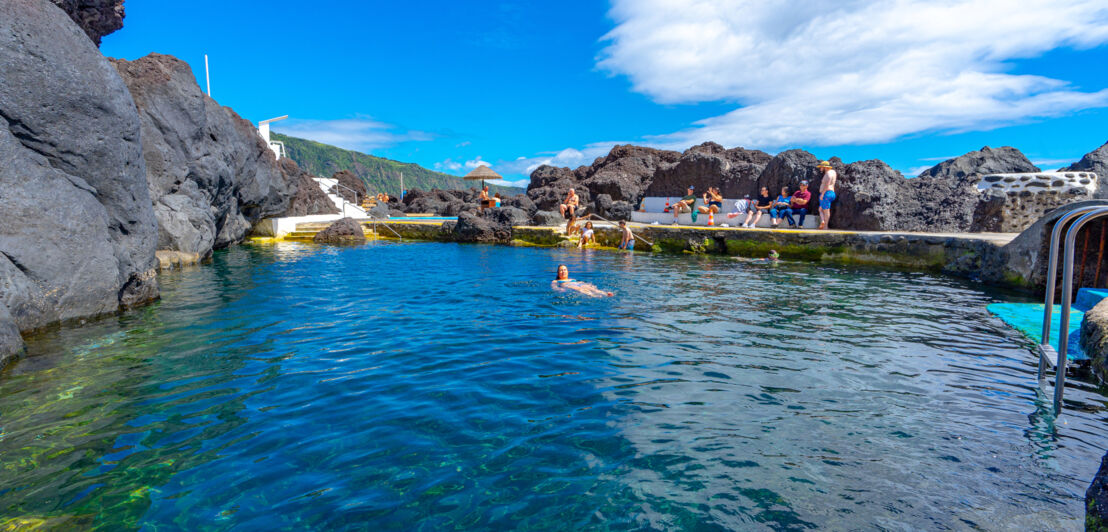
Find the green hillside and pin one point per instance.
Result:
(379, 174)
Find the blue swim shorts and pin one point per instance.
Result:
(828, 197)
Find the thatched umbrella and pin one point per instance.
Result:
(481, 173)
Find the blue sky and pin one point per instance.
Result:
(449, 85)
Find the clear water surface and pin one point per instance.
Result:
(442, 386)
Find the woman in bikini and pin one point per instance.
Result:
(562, 282)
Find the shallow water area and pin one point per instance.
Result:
(431, 386)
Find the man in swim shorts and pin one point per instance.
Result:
(685, 205)
(627, 240)
(826, 192)
(569, 207)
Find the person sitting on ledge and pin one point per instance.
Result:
(762, 205)
(570, 204)
(777, 212)
(684, 205)
(484, 199)
(562, 283)
(798, 205)
(586, 236)
(744, 206)
(713, 201)
(496, 199)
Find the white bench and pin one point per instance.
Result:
(651, 211)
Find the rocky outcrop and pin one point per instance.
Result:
(1096, 500)
(309, 198)
(353, 189)
(79, 233)
(1094, 339)
(96, 18)
(211, 177)
(474, 228)
(1003, 160)
(1095, 161)
(344, 231)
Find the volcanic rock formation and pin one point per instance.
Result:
(1095, 161)
(344, 231)
(79, 232)
(309, 198)
(211, 176)
(96, 17)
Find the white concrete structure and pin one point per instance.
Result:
(652, 213)
(279, 227)
(346, 208)
(1064, 182)
(263, 130)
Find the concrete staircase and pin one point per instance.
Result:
(345, 207)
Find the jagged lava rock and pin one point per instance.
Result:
(1095, 161)
(473, 228)
(353, 189)
(510, 216)
(871, 196)
(987, 160)
(211, 176)
(344, 231)
(309, 198)
(79, 233)
(735, 171)
(547, 218)
(96, 18)
(1096, 499)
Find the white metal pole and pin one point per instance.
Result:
(207, 76)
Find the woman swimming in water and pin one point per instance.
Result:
(562, 282)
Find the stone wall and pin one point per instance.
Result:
(1027, 197)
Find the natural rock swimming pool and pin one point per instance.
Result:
(435, 386)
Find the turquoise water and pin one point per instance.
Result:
(441, 386)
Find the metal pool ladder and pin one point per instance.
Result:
(1046, 353)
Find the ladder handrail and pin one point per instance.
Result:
(1052, 269)
(587, 216)
(1067, 295)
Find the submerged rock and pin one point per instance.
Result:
(211, 176)
(344, 231)
(78, 233)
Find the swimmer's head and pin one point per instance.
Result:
(773, 254)
(562, 273)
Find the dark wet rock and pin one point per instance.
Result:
(473, 228)
(397, 213)
(602, 204)
(78, 232)
(379, 211)
(989, 213)
(353, 189)
(1095, 161)
(344, 231)
(549, 186)
(96, 18)
(510, 216)
(211, 176)
(438, 202)
(1004, 160)
(11, 342)
(621, 210)
(624, 174)
(309, 198)
(547, 218)
(1096, 499)
(1094, 341)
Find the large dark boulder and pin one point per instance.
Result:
(788, 169)
(509, 216)
(1095, 161)
(1096, 499)
(344, 231)
(309, 198)
(625, 173)
(521, 201)
(734, 171)
(211, 176)
(549, 186)
(96, 18)
(352, 187)
(547, 218)
(1004, 160)
(871, 197)
(78, 233)
(473, 228)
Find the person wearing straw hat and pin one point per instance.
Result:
(826, 192)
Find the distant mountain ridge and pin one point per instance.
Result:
(379, 174)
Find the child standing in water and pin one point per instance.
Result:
(627, 240)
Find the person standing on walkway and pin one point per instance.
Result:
(826, 192)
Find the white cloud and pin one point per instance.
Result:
(360, 134)
(849, 72)
(448, 165)
(474, 163)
